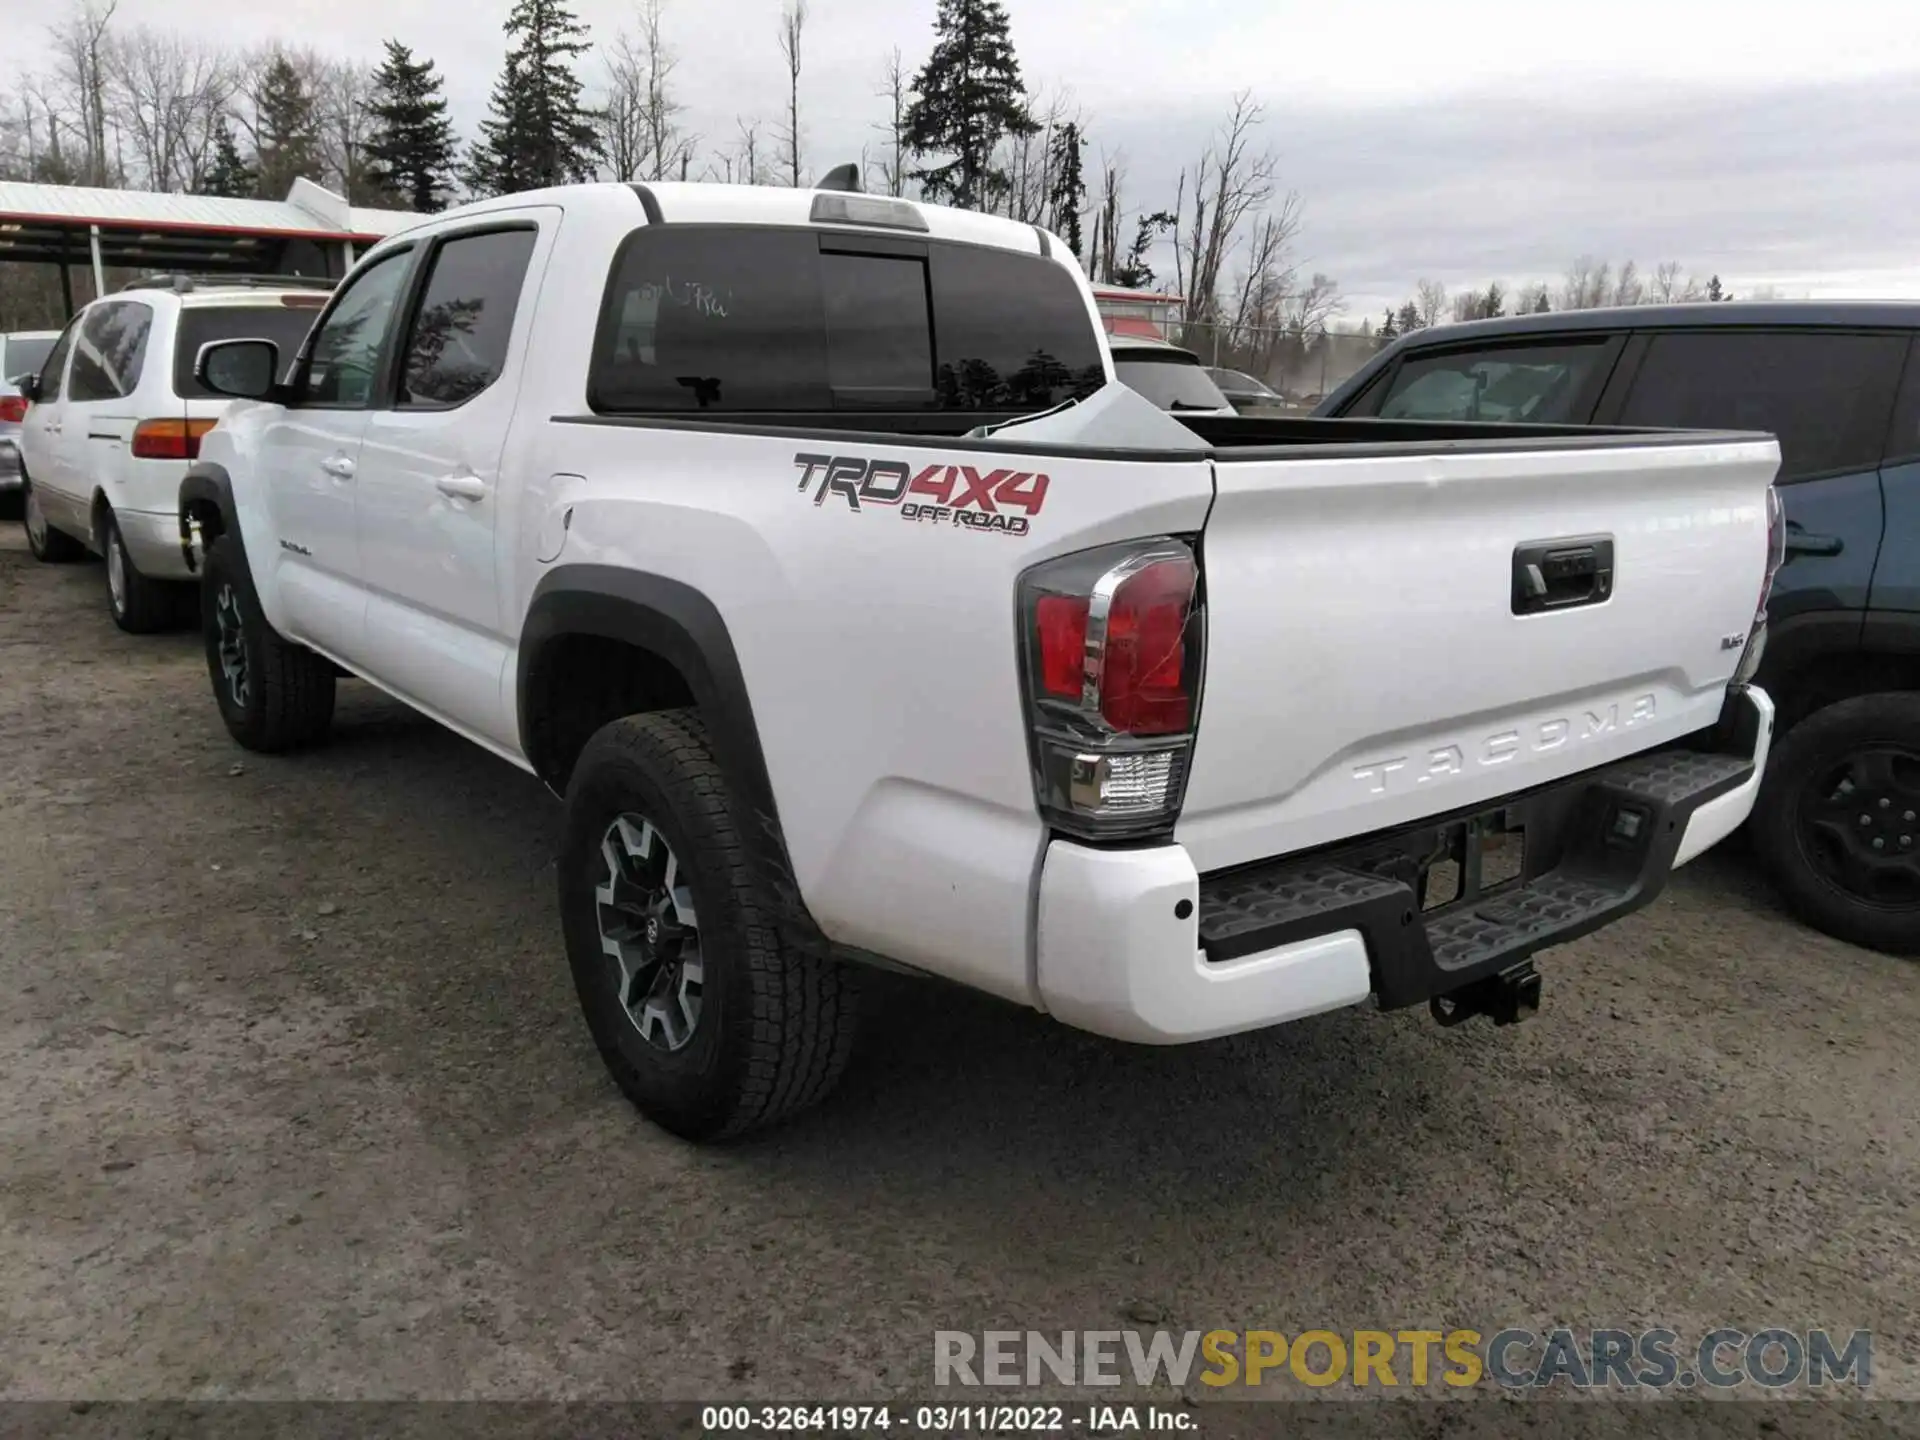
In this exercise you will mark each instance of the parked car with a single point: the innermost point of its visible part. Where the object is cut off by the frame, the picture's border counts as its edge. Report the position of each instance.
(1838, 822)
(21, 354)
(697, 501)
(1245, 393)
(115, 415)
(1172, 378)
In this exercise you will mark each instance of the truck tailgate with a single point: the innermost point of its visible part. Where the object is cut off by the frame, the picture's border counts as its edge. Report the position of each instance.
(1365, 664)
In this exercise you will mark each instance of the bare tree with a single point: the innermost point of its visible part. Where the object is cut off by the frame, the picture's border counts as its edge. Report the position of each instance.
(83, 47)
(895, 85)
(1587, 284)
(341, 90)
(1671, 285)
(1311, 306)
(793, 22)
(621, 116)
(741, 165)
(1228, 182)
(1430, 299)
(1103, 250)
(167, 95)
(1628, 288)
(1029, 159)
(1266, 283)
(668, 150)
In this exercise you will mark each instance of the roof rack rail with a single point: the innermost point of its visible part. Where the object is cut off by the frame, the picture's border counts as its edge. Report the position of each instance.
(182, 283)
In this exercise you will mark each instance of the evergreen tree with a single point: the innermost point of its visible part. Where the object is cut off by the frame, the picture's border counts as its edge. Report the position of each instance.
(1068, 195)
(967, 97)
(1409, 318)
(1493, 304)
(536, 132)
(1135, 273)
(1715, 291)
(229, 175)
(1540, 305)
(287, 131)
(1388, 330)
(411, 153)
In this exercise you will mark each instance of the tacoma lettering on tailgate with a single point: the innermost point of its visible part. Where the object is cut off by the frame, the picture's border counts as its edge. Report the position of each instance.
(1536, 737)
(959, 495)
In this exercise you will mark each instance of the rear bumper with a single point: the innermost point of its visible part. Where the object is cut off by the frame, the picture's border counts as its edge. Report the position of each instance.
(1137, 945)
(153, 542)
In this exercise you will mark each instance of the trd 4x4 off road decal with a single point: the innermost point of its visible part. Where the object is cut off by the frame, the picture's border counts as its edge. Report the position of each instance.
(954, 494)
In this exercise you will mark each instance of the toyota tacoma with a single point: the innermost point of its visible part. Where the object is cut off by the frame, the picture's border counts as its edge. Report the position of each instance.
(803, 542)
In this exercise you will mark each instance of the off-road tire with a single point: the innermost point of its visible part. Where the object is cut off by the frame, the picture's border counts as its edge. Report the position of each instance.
(50, 546)
(142, 606)
(1797, 771)
(286, 701)
(776, 1026)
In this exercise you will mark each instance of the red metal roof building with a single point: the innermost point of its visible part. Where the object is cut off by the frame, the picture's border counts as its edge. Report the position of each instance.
(311, 232)
(1143, 314)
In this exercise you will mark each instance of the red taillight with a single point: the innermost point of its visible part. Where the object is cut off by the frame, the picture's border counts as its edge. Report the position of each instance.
(1142, 677)
(1112, 639)
(1139, 650)
(13, 409)
(169, 439)
(1062, 623)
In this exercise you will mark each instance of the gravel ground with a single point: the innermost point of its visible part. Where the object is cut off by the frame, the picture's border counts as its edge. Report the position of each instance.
(297, 1104)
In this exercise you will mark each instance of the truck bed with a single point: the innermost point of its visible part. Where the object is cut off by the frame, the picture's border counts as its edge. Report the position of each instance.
(1226, 437)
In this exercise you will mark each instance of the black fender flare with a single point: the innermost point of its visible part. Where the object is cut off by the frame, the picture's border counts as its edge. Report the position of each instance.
(684, 628)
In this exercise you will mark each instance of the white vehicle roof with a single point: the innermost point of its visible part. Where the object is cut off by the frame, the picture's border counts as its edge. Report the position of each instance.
(689, 203)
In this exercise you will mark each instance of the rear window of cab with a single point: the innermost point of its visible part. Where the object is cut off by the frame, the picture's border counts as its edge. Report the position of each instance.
(718, 319)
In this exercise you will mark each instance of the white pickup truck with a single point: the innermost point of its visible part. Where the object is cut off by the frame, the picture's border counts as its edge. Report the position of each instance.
(802, 541)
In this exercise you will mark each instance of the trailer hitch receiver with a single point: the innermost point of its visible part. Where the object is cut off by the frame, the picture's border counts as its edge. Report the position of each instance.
(1507, 998)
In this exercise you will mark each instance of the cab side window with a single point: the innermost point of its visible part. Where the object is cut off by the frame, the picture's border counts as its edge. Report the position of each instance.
(343, 353)
(1826, 395)
(457, 345)
(1506, 384)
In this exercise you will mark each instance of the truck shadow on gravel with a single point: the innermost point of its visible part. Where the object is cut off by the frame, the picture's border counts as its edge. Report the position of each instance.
(963, 1122)
(942, 1076)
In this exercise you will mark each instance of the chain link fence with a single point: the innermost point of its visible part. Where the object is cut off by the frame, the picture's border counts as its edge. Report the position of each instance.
(1301, 367)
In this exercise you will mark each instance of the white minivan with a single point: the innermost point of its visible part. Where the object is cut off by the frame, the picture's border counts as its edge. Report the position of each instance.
(115, 416)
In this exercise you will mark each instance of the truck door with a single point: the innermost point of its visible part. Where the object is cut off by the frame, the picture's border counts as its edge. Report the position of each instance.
(430, 477)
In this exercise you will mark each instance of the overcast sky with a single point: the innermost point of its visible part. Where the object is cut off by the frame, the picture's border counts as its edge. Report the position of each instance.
(1467, 141)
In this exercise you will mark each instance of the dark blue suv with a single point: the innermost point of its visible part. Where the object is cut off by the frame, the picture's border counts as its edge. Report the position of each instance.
(1838, 820)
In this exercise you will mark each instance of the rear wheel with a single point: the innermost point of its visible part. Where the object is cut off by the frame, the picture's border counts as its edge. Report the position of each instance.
(50, 546)
(139, 605)
(706, 1020)
(1838, 821)
(273, 695)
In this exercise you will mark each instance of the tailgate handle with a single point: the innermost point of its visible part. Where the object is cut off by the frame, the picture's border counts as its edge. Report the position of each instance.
(1562, 574)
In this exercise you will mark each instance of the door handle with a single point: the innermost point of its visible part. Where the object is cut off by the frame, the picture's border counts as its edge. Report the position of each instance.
(1799, 542)
(462, 487)
(338, 466)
